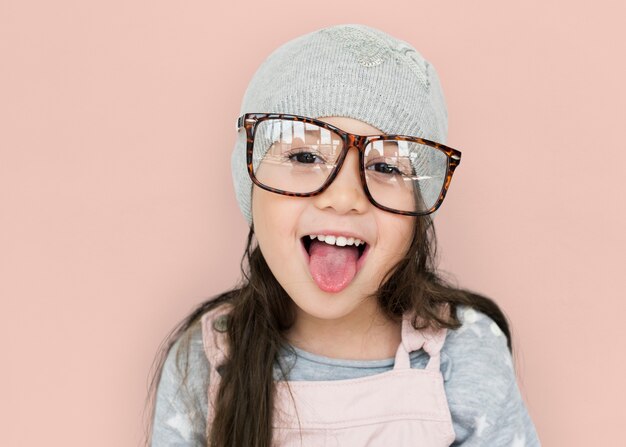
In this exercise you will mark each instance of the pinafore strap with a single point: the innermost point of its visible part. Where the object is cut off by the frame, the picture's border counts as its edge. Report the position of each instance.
(428, 338)
(214, 338)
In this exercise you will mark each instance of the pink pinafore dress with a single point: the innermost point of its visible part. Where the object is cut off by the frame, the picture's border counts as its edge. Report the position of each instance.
(401, 407)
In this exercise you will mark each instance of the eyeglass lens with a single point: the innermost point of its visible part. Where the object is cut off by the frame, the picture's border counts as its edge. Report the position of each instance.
(298, 157)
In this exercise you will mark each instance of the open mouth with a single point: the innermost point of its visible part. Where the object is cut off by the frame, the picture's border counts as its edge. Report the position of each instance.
(333, 266)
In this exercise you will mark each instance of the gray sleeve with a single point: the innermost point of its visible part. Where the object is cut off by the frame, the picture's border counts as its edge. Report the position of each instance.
(180, 411)
(485, 400)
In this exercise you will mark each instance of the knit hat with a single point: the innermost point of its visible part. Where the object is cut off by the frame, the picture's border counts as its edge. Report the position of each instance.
(349, 70)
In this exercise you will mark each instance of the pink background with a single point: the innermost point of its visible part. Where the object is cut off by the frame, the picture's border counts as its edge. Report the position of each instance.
(118, 213)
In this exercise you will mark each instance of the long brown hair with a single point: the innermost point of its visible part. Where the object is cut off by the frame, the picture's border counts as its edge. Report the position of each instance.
(262, 311)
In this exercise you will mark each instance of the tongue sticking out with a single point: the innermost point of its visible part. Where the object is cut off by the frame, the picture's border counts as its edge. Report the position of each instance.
(332, 267)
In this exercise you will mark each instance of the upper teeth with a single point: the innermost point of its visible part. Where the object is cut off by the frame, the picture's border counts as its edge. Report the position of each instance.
(337, 240)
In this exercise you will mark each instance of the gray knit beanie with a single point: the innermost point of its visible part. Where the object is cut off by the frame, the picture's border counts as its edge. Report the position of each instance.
(349, 70)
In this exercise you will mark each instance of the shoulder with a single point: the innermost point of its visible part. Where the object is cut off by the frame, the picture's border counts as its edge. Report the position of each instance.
(478, 358)
(479, 335)
(186, 360)
(485, 401)
(181, 407)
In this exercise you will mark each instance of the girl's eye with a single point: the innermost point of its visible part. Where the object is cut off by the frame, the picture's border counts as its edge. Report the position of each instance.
(304, 157)
(384, 168)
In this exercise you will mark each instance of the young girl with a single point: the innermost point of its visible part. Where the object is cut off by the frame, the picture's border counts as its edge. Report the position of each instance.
(341, 333)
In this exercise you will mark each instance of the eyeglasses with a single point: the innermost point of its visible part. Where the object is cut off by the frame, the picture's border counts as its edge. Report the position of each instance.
(300, 156)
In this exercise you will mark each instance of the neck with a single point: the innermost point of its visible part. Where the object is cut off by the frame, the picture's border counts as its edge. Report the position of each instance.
(365, 334)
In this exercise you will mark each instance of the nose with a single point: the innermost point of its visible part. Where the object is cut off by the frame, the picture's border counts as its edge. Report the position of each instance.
(345, 194)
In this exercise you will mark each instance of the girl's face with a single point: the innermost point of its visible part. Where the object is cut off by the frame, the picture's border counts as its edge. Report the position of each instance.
(281, 223)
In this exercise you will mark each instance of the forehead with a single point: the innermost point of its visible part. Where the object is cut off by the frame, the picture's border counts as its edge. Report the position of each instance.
(352, 125)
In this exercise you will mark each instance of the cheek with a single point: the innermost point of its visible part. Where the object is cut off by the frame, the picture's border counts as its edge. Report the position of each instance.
(275, 220)
(395, 233)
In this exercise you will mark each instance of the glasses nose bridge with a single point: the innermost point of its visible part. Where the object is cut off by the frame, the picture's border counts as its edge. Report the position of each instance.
(356, 141)
(352, 141)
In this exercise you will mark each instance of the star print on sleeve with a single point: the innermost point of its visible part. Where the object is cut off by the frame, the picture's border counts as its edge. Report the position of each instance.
(180, 410)
(519, 441)
(181, 425)
(484, 398)
(481, 424)
(470, 317)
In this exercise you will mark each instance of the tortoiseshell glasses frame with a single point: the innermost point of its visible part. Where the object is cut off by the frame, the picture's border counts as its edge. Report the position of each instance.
(250, 121)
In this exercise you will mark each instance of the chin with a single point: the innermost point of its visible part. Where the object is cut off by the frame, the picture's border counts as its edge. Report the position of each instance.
(326, 306)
